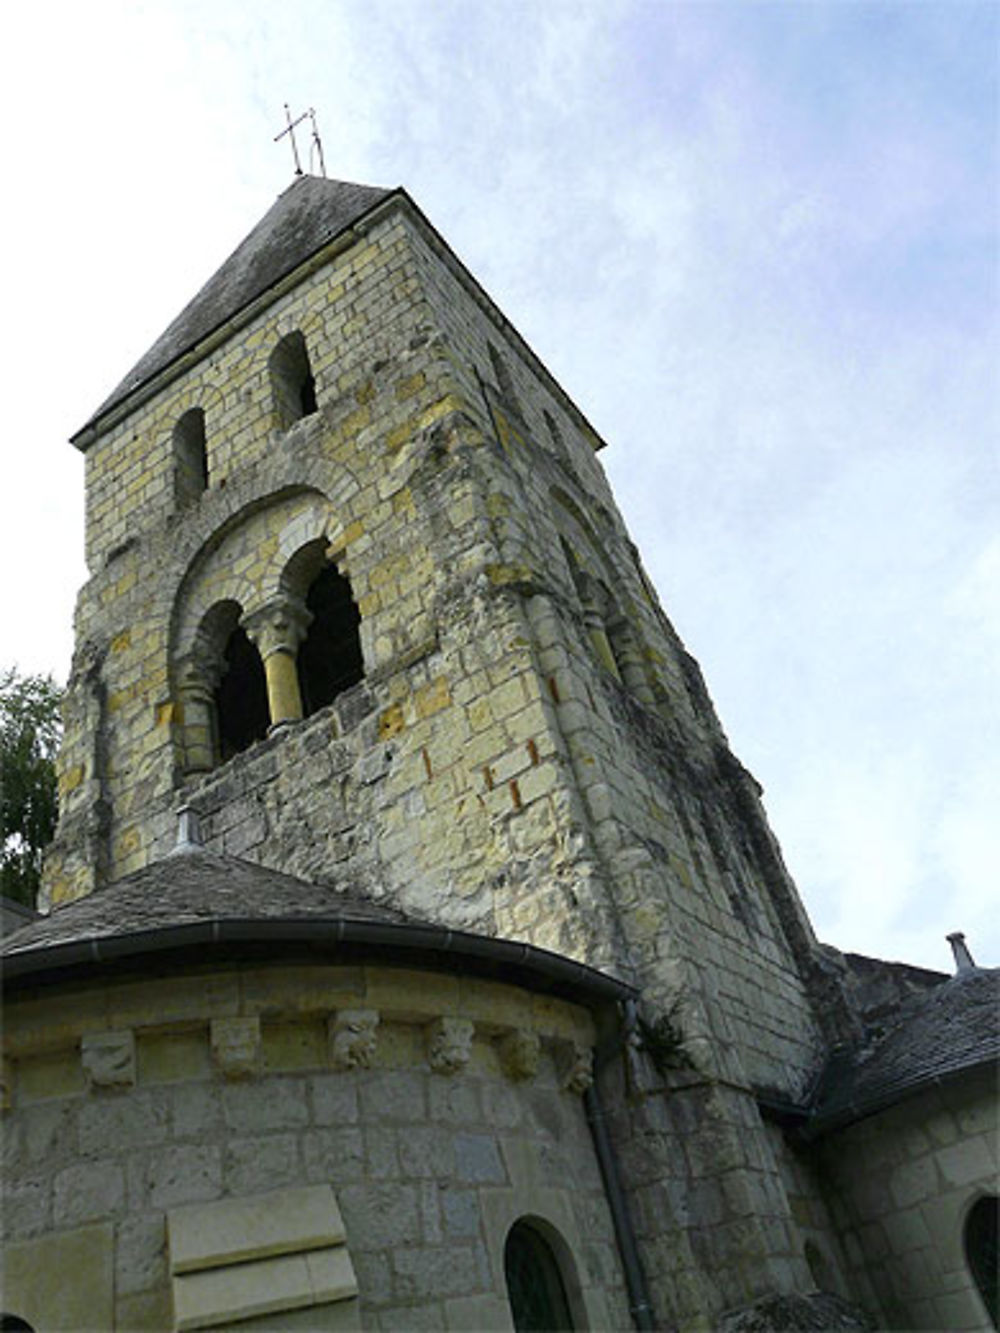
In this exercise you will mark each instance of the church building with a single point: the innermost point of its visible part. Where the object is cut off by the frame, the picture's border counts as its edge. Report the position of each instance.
(415, 953)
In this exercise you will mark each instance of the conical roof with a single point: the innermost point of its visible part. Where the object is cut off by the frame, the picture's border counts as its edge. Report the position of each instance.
(307, 216)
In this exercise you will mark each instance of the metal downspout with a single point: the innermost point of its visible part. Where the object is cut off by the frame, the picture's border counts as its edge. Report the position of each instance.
(640, 1306)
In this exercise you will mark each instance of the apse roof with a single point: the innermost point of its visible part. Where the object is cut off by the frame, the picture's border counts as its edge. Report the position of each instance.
(303, 219)
(934, 1036)
(196, 902)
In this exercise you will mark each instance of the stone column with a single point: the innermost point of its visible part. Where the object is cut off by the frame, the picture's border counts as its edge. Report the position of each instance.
(277, 629)
(197, 676)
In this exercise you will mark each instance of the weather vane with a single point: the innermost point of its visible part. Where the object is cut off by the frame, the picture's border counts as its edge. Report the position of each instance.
(316, 146)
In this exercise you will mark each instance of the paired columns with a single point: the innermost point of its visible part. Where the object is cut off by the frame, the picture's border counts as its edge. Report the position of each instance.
(276, 630)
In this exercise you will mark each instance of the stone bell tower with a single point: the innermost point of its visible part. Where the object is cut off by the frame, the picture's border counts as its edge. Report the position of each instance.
(360, 595)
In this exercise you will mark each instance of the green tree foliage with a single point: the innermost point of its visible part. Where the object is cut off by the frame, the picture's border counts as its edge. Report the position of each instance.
(29, 736)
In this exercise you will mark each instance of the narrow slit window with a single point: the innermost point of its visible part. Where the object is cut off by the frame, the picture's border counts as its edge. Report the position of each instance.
(292, 380)
(190, 457)
(504, 379)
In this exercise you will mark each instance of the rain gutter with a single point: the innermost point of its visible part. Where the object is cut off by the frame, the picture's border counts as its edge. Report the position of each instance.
(536, 968)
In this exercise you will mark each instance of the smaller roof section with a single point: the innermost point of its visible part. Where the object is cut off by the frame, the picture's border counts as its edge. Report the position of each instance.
(306, 217)
(936, 1035)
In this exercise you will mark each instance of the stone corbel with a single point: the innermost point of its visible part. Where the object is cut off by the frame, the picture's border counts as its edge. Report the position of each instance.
(236, 1047)
(351, 1034)
(576, 1067)
(108, 1059)
(519, 1053)
(449, 1044)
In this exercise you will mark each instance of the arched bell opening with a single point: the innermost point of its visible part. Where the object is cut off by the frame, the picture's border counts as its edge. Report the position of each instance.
(241, 705)
(330, 655)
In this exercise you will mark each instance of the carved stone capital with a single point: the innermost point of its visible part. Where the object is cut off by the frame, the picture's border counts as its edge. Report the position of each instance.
(278, 627)
(449, 1044)
(352, 1036)
(236, 1046)
(199, 671)
(519, 1052)
(108, 1059)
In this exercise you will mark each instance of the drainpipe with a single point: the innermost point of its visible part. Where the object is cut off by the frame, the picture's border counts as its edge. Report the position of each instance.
(635, 1279)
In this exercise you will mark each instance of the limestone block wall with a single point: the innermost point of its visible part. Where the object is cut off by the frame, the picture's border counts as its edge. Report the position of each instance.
(901, 1184)
(815, 1237)
(438, 1109)
(705, 906)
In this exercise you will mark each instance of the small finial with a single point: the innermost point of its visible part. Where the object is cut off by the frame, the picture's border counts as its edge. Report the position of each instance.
(188, 831)
(964, 961)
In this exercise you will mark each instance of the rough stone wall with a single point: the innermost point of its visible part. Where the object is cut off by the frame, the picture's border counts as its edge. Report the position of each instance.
(814, 1232)
(900, 1185)
(437, 1109)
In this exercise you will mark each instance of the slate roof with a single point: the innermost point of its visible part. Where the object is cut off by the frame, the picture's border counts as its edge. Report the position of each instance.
(307, 216)
(935, 1036)
(192, 886)
(196, 902)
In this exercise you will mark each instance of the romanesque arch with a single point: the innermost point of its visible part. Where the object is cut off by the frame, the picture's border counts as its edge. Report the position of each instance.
(247, 605)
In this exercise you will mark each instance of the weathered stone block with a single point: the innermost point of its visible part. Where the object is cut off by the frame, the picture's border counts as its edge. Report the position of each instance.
(387, 1215)
(183, 1174)
(90, 1191)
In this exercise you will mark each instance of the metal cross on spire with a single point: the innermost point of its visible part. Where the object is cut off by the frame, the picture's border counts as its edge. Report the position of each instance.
(315, 145)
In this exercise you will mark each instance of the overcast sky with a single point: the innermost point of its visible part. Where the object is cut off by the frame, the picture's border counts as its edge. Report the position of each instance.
(756, 243)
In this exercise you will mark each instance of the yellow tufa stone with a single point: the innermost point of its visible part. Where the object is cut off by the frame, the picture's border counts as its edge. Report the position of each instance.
(391, 722)
(71, 779)
(411, 386)
(432, 697)
(166, 713)
(500, 575)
